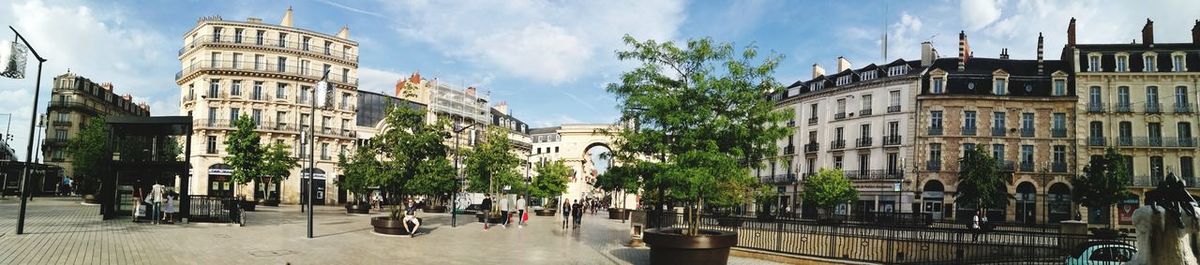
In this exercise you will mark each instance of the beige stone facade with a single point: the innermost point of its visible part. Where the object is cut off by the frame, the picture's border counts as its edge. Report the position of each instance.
(74, 101)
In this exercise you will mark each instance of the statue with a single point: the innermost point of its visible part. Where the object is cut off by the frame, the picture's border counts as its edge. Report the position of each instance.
(1167, 225)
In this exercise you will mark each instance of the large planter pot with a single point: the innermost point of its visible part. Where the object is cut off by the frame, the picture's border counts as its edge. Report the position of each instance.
(269, 202)
(248, 205)
(89, 199)
(493, 219)
(545, 212)
(670, 246)
(435, 209)
(358, 208)
(617, 214)
(729, 221)
(389, 226)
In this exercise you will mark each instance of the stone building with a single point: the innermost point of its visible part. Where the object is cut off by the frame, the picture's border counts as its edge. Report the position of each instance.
(74, 101)
(1139, 98)
(1020, 111)
(268, 72)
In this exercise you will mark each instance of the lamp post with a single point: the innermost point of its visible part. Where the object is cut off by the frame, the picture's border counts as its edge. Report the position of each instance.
(312, 147)
(37, 89)
(459, 178)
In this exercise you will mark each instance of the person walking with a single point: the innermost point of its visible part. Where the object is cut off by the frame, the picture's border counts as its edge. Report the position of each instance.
(487, 209)
(138, 210)
(975, 227)
(504, 211)
(169, 209)
(577, 213)
(566, 213)
(156, 194)
(520, 211)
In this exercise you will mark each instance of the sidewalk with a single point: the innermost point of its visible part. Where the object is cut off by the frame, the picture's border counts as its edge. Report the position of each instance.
(61, 231)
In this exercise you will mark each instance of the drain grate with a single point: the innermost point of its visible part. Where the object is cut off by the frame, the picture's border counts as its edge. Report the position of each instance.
(271, 253)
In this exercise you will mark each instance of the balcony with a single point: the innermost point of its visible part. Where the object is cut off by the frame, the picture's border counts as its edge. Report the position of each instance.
(839, 116)
(1027, 132)
(877, 174)
(783, 178)
(1058, 167)
(1153, 107)
(55, 141)
(812, 121)
(66, 104)
(293, 69)
(1153, 142)
(934, 130)
(1095, 107)
(61, 123)
(1123, 108)
(863, 142)
(891, 140)
(789, 150)
(811, 147)
(1146, 180)
(1006, 165)
(265, 42)
(999, 131)
(1058, 133)
(1026, 166)
(968, 130)
(213, 124)
(837, 144)
(933, 165)
(893, 109)
(850, 174)
(894, 174)
(864, 112)
(1184, 108)
(1125, 141)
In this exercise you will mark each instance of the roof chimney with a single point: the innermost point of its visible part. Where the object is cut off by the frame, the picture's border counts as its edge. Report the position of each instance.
(1196, 32)
(287, 18)
(817, 70)
(843, 64)
(1004, 53)
(344, 33)
(1040, 53)
(1071, 33)
(927, 54)
(964, 50)
(1148, 32)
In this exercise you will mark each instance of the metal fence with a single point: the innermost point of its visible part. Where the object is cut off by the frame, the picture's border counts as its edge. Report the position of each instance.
(910, 240)
(215, 209)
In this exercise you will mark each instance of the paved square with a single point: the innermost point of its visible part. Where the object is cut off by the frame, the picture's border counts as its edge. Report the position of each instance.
(61, 231)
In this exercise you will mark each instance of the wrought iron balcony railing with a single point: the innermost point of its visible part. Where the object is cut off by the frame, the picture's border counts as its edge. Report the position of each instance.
(839, 115)
(893, 109)
(1095, 107)
(891, 140)
(1123, 108)
(1028, 132)
(837, 144)
(999, 131)
(1026, 166)
(1058, 167)
(968, 130)
(1153, 107)
(811, 147)
(934, 130)
(933, 165)
(1096, 141)
(1058, 133)
(864, 112)
(863, 142)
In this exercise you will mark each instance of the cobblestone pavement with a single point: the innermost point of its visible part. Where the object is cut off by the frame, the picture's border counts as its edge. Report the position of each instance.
(62, 231)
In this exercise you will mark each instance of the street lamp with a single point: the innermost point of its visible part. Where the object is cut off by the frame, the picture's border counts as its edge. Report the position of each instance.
(37, 89)
(458, 179)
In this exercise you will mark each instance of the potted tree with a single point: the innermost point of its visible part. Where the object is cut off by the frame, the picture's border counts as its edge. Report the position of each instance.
(413, 150)
(358, 171)
(703, 112)
(1104, 182)
(87, 151)
(826, 190)
(245, 156)
(435, 181)
(490, 166)
(277, 165)
(618, 180)
(550, 182)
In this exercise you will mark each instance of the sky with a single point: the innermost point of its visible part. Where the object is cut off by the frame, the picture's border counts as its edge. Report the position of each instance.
(550, 60)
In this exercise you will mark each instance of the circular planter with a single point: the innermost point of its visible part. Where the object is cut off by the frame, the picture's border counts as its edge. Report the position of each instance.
(494, 219)
(358, 208)
(248, 205)
(729, 221)
(389, 226)
(670, 246)
(89, 199)
(544, 212)
(435, 209)
(269, 202)
(617, 213)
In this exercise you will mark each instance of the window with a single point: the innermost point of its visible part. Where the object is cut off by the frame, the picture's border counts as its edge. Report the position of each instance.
(967, 147)
(1125, 133)
(866, 102)
(258, 38)
(1177, 61)
(1156, 167)
(1122, 97)
(1060, 121)
(864, 163)
(257, 94)
(345, 75)
(1184, 130)
(1181, 97)
(894, 128)
(864, 131)
(1149, 61)
(868, 75)
(256, 116)
(969, 119)
(939, 86)
(1094, 96)
(812, 112)
(258, 62)
(304, 67)
(935, 119)
(1026, 155)
(935, 152)
(63, 116)
(215, 60)
(841, 106)
(1122, 63)
(237, 35)
(280, 116)
(998, 152)
(325, 151)
(1096, 129)
(304, 92)
(217, 34)
(1027, 121)
(1094, 63)
(895, 98)
(1000, 87)
(212, 116)
(60, 134)
(342, 150)
(837, 162)
(998, 120)
(281, 66)
(304, 46)
(345, 101)
(837, 133)
(843, 80)
(1187, 170)
(325, 69)
(237, 60)
(212, 145)
(1060, 87)
(327, 44)
(282, 39)
(280, 90)
(214, 88)
(237, 88)
(234, 113)
(897, 70)
(893, 163)
(1154, 131)
(1060, 154)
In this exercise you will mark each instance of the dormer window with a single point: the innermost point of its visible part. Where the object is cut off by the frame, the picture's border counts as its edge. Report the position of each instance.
(897, 70)
(1001, 87)
(1122, 63)
(843, 80)
(1060, 87)
(1093, 63)
(1150, 61)
(869, 75)
(939, 86)
(818, 86)
(1178, 62)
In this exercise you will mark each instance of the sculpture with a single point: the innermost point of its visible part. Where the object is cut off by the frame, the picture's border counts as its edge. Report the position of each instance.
(1167, 225)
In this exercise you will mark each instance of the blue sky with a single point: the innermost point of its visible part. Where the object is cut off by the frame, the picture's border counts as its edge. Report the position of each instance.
(551, 59)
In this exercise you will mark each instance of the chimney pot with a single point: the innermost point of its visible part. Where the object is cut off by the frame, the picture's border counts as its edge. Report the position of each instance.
(1148, 32)
(817, 71)
(1040, 51)
(927, 54)
(1196, 32)
(842, 64)
(1071, 33)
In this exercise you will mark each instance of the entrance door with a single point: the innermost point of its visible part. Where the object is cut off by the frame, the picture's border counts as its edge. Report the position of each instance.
(1026, 203)
(220, 186)
(341, 199)
(932, 195)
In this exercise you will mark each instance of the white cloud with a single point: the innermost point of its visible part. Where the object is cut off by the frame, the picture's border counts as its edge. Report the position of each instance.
(378, 80)
(977, 14)
(545, 42)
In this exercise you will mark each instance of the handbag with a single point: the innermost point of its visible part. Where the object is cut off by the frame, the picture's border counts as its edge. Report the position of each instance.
(141, 211)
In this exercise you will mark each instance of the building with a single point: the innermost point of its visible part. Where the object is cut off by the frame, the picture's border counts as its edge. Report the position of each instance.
(1139, 98)
(267, 72)
(855, 120)
(577, 145)
(1014, 102)
(74, 101)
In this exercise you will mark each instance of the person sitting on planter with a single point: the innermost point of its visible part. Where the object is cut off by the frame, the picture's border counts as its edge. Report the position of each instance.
(410, 215)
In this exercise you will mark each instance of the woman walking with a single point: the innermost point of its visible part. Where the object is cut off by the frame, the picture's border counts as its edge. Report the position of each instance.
(566, 214)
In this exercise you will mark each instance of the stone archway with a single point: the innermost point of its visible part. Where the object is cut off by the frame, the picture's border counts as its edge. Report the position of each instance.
(572, 144)
(1026, 203)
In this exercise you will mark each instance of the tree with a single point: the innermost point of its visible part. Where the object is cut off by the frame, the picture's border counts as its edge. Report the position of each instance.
(828, 188)
(1104, 182)
(704, 111)
(980, 181)
(88, 155)
(277, 165)
(245, 152)
(551, 180)
(624, 178)
(406, 143)
(358, 171)
(491, 164)
(435, 179)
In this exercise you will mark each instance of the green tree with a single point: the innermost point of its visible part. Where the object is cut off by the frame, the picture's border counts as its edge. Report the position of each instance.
(435, 178)
(704, 111)
(828, 188)
(1104, 182)
(358, 171)
(277, 165)
(980, 181)
(406, 143)
(491, 164)
(620, 179)
(245, 152)
(551, 180)
(88, 155)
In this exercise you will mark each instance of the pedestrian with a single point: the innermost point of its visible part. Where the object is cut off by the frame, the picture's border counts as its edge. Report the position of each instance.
(577, 213)
(520, 211)
(138, 210)
(377, 200)
(156, 195)
(504, 210)
(975, 227)
(169, 209)
(566, 213)
(487, 210)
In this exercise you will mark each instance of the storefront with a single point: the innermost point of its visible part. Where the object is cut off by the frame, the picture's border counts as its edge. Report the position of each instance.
(933, 196)
(219, 182)
(1026, 203)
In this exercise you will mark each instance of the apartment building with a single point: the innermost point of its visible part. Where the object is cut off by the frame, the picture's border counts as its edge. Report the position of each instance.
(74, 101)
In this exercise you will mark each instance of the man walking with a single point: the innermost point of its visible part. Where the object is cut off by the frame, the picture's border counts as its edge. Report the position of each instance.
(577, 213)
(520, 211)
(504, 210)
(487, 209)
(156, 194)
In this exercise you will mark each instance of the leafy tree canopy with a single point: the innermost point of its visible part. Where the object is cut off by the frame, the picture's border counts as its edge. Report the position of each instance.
(551, 180)
(406, 143)
(277, 164)
(88, 154)
(245, 152)
(491, 165)
(1104, 182)
(980, 181)
(828, 188)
